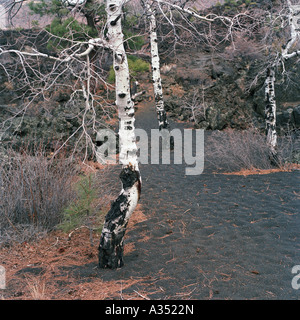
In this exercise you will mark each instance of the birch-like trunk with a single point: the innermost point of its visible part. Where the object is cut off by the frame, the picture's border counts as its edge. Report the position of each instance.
(156, 77)
(112, 237)
(293, 18)
(270, 115)
(270, 99)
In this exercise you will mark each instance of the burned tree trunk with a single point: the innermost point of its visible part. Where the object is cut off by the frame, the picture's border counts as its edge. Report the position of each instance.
(112, 237)
(156, 77)
(270, 115)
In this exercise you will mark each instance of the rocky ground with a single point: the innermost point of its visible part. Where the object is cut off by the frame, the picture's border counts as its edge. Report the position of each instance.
(210, 91)
(220, 91)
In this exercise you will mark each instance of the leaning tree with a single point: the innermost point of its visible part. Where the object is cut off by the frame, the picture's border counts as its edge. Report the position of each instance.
(78, 60)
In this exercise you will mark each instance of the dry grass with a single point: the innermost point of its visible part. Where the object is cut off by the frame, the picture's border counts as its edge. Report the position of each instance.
(36, 190)
(50, 256)
(33, 191)
(36, 287)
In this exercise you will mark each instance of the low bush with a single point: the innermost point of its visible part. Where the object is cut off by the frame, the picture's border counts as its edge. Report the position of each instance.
(33, 191)
(39, 194)
(81, 208)
(236, 150)
(233, 150)
(87, 209)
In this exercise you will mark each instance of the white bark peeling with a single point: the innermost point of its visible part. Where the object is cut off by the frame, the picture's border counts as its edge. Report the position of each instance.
(270, 111)
(293, 18)
(156, 76)
(112, 238)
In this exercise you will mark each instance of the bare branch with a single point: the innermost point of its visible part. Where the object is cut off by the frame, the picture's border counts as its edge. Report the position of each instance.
(12, 8)
(188, 10)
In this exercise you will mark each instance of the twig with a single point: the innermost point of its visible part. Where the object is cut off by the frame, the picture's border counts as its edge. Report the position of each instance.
(70, 234)
(185, 294)
(121, 292)
(12, 225)
(89, 228)
(146, 298)
(56, 242)
(133, 97)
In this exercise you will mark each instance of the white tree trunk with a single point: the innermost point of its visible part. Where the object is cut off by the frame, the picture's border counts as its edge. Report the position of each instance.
(112, 237)
(293, 18)
(156, 77)
(270, 114)
(270, 99)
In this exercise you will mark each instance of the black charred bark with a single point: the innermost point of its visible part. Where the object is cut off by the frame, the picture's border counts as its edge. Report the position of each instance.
(162, 120)
(111, 245)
